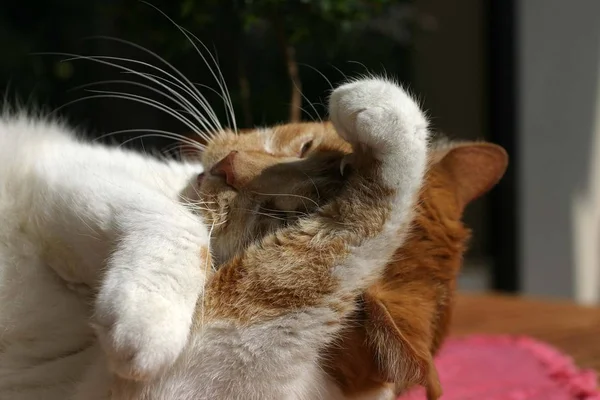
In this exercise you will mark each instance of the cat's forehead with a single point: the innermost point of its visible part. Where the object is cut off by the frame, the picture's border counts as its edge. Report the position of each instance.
(287, 138)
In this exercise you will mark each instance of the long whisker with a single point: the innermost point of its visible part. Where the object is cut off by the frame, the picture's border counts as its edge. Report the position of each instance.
(313, 183)
(201, 100)
(312, 118)
(319, 72)
(200, 85)
(176, 149)
(102, 60)
(135, 98)
(189, 84)
(303, 213)
(359, 63)
(133, 83)
(288, 194)
(311, 104)
(260, 213)
(340, 71)
(152, 133)
(220, 81)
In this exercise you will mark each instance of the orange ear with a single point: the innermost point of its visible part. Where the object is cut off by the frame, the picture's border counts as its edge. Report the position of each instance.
(403, 352)
(476, 168)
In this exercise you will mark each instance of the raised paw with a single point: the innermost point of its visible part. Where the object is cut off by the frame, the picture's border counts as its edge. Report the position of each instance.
(378, 114)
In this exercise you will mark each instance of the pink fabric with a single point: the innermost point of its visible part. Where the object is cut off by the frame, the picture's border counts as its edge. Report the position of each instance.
(508, 368)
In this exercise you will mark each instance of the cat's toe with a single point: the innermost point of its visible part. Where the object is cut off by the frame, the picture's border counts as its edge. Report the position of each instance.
(377, 113)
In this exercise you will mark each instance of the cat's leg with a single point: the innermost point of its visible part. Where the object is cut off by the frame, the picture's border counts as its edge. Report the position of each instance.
(87, 204)
(148, 294)
(147, 291)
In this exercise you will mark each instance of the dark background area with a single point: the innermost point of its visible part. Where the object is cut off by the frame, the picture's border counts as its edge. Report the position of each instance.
(249, 39)
(456, 56)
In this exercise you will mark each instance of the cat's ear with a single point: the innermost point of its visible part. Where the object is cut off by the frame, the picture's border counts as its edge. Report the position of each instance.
(475, 167)
(402, 348)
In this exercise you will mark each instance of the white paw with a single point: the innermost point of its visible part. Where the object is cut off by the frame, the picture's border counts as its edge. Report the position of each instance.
(141, 332)
(144, 313)
(379, 114)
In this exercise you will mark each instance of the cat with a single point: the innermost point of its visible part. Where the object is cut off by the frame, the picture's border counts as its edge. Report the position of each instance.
(115, 222)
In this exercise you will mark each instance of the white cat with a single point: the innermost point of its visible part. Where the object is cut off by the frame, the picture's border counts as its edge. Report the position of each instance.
(77, 215)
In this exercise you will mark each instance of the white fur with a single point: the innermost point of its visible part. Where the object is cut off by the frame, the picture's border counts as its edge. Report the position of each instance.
(66, 207)
(70, 209)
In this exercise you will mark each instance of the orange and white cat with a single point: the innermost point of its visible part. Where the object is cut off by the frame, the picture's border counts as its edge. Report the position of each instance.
(75, 215)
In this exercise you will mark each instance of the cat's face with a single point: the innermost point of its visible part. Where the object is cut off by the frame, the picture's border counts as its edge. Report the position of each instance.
(260, 180)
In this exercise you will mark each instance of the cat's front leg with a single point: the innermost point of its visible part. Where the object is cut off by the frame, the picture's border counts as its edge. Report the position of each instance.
(148, 293)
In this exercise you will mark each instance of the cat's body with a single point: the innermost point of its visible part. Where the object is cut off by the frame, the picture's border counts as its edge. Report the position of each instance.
(77, 215)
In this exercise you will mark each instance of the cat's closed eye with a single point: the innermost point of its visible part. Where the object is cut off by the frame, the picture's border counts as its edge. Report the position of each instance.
(305, 148)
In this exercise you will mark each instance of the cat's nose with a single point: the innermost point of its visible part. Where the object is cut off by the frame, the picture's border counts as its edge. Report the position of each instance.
(225, 169)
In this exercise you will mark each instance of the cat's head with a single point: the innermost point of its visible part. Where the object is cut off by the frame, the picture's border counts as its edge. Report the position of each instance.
(259, 180)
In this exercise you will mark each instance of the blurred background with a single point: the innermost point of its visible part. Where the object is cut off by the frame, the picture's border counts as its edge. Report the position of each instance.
(523, 74)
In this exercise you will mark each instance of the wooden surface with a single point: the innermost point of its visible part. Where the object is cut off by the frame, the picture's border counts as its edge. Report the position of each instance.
(571, 328)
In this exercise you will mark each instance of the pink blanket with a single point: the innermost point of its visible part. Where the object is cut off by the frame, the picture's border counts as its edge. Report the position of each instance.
(509, 368)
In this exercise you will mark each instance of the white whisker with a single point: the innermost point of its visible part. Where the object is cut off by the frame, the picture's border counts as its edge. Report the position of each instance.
(340, 71)
(136, 98)
(152, 133)
(215, 126)
(309, 102)
(260, 213)
(197, 94)
(133, 83)
(288, 194)
(319, 72)
(220, 80)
